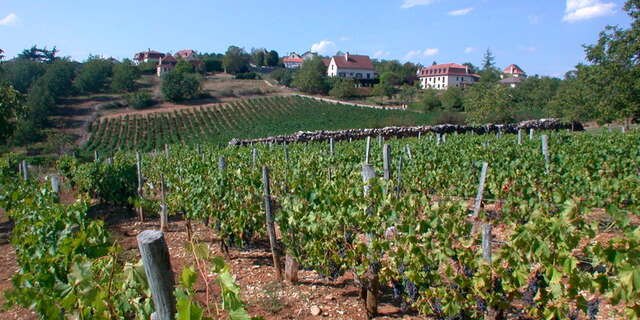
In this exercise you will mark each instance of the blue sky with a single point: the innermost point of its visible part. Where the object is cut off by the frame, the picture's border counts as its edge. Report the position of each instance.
(542, 36)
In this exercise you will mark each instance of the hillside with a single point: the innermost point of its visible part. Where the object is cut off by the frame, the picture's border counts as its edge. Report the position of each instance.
(251, 118)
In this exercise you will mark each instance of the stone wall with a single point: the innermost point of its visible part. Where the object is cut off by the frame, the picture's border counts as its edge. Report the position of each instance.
(400, 132)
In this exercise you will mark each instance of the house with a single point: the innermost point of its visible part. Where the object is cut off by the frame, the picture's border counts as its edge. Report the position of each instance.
(351, 66)
(293, 61)
(512, 81)
(443, 76)
(513, 71)
(166, 64)
(309, 55)
(148, 56)
(186, 55)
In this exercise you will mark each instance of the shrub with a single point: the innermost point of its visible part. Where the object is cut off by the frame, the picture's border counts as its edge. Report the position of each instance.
(124, 77)
(177, 86)
(114, 183)
(342, 88)
(225, 93)
(248, 76)
(249, 92)
(93, 75)
(139, 100)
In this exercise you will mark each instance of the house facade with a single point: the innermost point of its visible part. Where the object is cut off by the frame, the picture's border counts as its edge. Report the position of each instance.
(512, 76)
(351, 66)
(148, 56)
(444, 76)
(186, 55)
(293, 61)
(166, 64)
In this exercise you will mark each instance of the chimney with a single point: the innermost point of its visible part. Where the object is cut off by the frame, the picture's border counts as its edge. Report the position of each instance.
(346, 56)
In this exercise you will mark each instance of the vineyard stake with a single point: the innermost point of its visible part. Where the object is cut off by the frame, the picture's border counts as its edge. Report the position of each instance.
(222, 164)
(140, 183)
(531, 132)
(55, 184)
(386, 158)
(164, 219)
(157, 266)
(379, 141)
(25, 170)
(519, 136)
(486, 242)
(444, 138)
(438, 138)
(271, 229)
(331, 146)
(545, 151)
(166, 149)
(367, 150)
(478, 202)
(254, 155)
(399, 176)
(419, 134)
(286, 153)
(370, 288)
(408, 151)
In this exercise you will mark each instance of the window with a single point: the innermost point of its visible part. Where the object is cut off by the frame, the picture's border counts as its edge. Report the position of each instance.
(368, 75)
(359, 75)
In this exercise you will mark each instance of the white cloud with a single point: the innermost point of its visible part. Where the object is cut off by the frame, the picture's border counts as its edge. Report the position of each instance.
(9, 20)
(381, 54)
(324, 47)
(344, 39)
(534, 19)
(460, 12)
(469, 50)
(414, 54)
(412, 3)
(587, 9)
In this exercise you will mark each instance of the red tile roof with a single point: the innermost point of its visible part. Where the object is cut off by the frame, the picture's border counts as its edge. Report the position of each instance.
(185, 53)
(352, 61)
(326, 62)
(447, 69)
(289, 59)
(513, 69)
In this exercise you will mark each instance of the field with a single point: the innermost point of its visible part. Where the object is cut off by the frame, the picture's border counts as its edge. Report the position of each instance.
(252, 118)
(555, 237)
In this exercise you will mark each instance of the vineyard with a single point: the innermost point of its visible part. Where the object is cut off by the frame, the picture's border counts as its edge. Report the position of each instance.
(250, 118)
(456, 227)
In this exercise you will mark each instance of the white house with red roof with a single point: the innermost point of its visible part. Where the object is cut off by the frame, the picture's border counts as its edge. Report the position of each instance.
(186, 54)
(351, 66)
(443, 76)
(513, 71)
(293, 61)
(148, 56)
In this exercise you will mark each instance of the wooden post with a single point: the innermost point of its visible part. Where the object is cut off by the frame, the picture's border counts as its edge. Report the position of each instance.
(519, 136)
(367, 150)
(25, 170)
(164, 214)
(109, 161)
(55, 184)
(444, 138)
(399, 176)
(531, 132)
(166, 149)
(331, 146)
(140, 184)
(379, 141)
(95, 155)
(545, 151)
(623, 129)
(157, 266)
(478, 202)
(486, 242)
(286, 153)
(438, 139)
(254, 156)
(386, 158)
(222, 164)
(271, 229)
(408, 151)
(372, 283)
(291, 269)
(419, 134)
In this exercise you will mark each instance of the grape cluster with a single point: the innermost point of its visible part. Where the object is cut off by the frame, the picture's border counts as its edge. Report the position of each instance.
(376, 266)
(532, 289)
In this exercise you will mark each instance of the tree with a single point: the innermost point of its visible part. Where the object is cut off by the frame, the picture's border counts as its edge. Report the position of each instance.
(94, 75)
(615, 70)
(383, 90)
(489, 72)
(22, 73)
(10, 104)
(213, 64)
(342, 88)
(59, 78)
(311, 78)
(235, 60)
(124, 77)
(428, 100)
(258, 57)
(272, 58)
(178, 86)
(39, 54)
(184, 66)
(283, 76)
(391, 78)
(573, 101)
(487, 102)
(1, 54)
(452, 99)
(407, 94)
